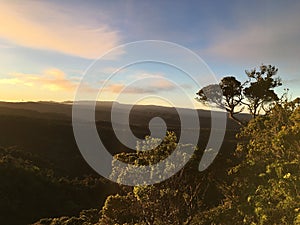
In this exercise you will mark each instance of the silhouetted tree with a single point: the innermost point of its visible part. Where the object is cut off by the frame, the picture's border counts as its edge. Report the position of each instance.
(256, 94)
(226, 95)
(260, 91)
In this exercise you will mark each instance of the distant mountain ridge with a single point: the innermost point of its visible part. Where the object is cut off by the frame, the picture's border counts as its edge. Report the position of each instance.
(102, 109)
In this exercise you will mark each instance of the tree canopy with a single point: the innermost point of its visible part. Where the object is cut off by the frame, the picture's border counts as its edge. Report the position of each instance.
(260, 89)
(256, 93)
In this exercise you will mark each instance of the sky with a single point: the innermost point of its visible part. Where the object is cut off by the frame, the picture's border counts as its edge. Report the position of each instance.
(49, 48)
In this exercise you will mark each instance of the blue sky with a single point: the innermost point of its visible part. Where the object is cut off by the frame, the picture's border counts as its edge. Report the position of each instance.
(45, 46)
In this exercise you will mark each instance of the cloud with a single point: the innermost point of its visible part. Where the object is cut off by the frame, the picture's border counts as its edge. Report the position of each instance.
(163, 85)
(51, 80)
(11, 81)
(274, 38)
(149, 88)
(41, 25)
(143, 75)
(4, 46)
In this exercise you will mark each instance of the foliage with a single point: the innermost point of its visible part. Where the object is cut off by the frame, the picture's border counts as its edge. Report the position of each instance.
(232, 92)
(226, 95)
(174, 201)
(260, 90)
(256, 93)
(29, 191)
(211, 94)
(266, 184)
(86, 217)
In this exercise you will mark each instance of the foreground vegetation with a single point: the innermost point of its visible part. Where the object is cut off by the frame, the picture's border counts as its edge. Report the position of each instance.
(28, 189)
(264, 187)
(261, 188)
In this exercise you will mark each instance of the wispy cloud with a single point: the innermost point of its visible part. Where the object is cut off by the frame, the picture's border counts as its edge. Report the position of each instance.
(11, 81)
(51, 80)
(149, 88)
(275, 37)
(5, 46)
(43, 25)
(143, 75)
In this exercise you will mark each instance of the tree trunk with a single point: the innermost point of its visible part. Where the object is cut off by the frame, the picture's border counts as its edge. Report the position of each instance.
(231, 116)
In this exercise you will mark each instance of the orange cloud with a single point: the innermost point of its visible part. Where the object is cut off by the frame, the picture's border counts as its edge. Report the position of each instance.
(114, 88)
(53, 84)
(43, 25)
(51, 80)
(163, 84)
